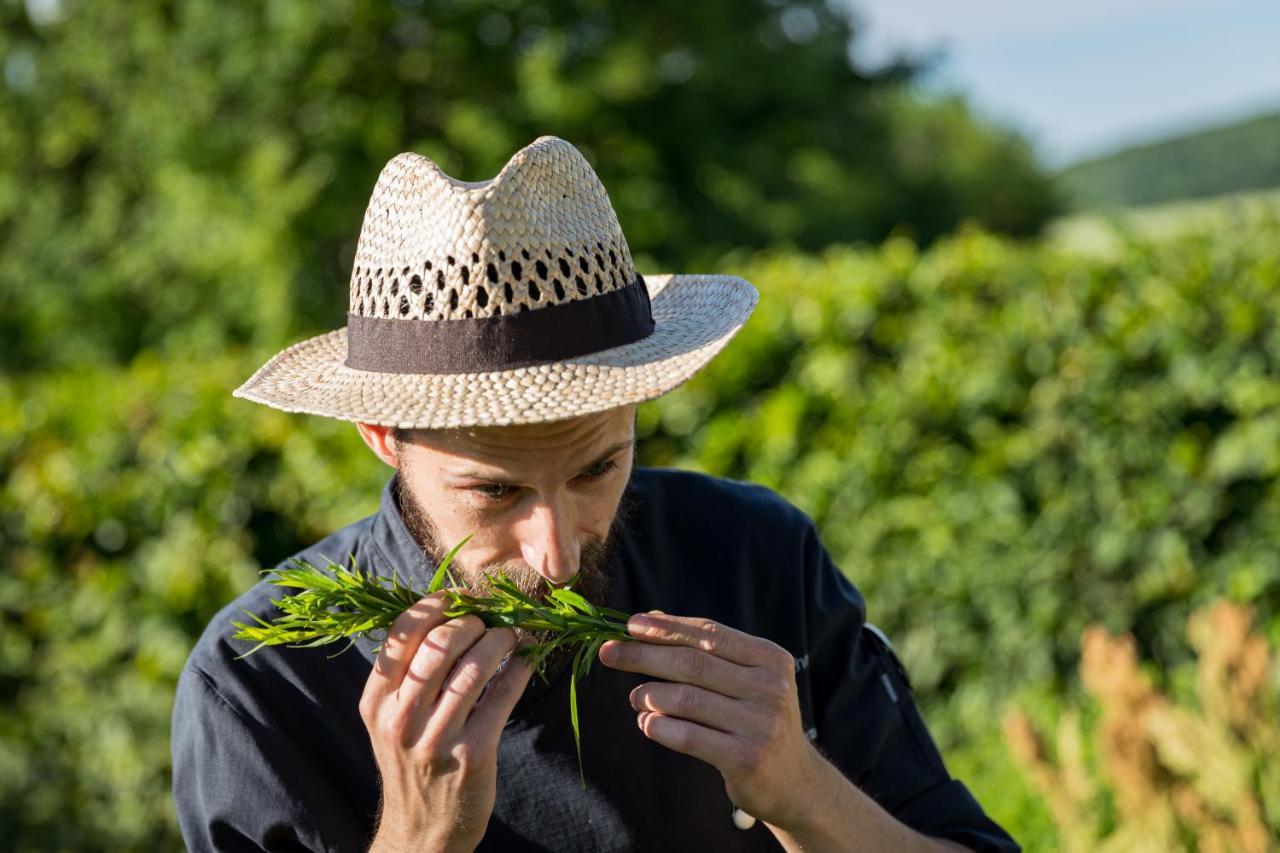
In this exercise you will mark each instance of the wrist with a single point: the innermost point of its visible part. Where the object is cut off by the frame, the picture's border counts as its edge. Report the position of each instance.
(811, 796)
(397, 836)
(387, 842)
(833, 811)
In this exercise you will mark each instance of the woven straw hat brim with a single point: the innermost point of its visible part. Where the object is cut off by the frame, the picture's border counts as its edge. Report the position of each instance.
(694, 317)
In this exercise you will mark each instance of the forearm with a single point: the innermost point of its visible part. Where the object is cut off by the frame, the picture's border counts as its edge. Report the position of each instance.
(842, 817)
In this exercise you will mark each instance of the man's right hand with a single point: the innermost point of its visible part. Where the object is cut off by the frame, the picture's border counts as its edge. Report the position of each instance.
(437, 746)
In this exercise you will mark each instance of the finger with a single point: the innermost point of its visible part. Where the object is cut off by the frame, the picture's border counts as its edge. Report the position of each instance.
(684, 664)
(469, 676)
(692, 703)
(431, 664)
(499, 700)
(403, 638)
(704, 634)
(725, 752)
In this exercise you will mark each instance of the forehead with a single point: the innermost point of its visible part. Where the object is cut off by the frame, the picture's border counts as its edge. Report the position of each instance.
(527, 447)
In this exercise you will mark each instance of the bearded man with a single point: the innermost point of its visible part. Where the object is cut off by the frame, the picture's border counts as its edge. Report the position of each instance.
(498, 342)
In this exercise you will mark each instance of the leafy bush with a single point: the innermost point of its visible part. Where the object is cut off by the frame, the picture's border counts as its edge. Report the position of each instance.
(134, 504)
(1005, 444)
(1002, 444)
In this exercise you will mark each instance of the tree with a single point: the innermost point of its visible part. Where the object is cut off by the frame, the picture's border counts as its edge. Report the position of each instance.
(183, 175)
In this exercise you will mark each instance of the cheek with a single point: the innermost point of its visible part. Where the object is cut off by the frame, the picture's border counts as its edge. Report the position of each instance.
(599, 506)
(450, 519)
(593, 511)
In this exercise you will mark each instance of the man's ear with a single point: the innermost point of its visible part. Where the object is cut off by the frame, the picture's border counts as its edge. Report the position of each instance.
(381, 442)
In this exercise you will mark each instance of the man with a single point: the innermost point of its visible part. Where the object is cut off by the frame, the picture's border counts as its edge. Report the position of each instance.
(498, 342)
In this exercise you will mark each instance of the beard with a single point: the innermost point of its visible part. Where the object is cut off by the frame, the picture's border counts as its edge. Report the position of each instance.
(591, 581)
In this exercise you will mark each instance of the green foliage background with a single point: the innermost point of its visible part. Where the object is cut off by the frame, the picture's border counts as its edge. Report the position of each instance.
(202, 167)
(1001, 440)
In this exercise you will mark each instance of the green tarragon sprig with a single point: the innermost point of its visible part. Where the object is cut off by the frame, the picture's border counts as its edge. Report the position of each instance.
(336, 603)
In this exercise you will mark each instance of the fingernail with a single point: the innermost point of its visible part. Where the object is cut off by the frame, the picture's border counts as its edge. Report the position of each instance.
(632, 698)
(609, 652)
(659, 612)
(641, 624)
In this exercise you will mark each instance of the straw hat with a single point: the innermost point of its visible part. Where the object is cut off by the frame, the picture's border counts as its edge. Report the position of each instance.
(511, 300)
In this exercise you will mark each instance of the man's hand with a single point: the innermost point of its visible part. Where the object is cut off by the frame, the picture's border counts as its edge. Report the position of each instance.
(434, 738)
(729, 699)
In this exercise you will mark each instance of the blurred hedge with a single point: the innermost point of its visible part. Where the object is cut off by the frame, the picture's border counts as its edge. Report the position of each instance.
(134, 505)
(1001, 444)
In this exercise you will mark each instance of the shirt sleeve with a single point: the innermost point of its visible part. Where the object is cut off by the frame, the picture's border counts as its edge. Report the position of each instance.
(867, 721)
(229, 780)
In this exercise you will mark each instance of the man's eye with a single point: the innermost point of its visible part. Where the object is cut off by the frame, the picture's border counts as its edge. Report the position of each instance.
(497, 491)
(600, 470)
(493, 491)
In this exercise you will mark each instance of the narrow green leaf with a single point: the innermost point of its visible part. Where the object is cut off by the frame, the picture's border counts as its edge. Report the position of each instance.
(573, 718)
(571, 598)
(343, 649)
(616, 615)
(437, 581)
(505, 584)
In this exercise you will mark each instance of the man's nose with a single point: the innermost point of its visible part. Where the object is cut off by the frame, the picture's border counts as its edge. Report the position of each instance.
(546, 543)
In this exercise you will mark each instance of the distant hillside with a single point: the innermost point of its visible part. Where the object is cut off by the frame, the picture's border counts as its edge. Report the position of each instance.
(1243, 156)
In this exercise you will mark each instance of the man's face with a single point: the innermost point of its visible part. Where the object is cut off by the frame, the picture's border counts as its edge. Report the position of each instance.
(544, 501)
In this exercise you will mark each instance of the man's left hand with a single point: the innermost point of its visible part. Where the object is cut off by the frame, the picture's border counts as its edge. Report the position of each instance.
(728, 698)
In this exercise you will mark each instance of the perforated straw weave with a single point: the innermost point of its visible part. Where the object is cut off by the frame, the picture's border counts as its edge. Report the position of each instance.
(439, 254)
(541, 233)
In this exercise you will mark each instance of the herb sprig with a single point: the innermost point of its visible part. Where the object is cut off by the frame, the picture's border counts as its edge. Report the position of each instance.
(336, 603)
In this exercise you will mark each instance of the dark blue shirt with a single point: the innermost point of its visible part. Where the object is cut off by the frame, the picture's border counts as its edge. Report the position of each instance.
(270, 753)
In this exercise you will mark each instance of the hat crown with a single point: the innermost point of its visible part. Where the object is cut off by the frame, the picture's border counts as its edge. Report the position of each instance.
(542, 232)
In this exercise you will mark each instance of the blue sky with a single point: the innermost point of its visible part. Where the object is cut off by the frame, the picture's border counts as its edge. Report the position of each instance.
(1085, 76)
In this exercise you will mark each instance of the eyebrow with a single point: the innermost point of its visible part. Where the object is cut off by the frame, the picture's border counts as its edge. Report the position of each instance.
(599, 460)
